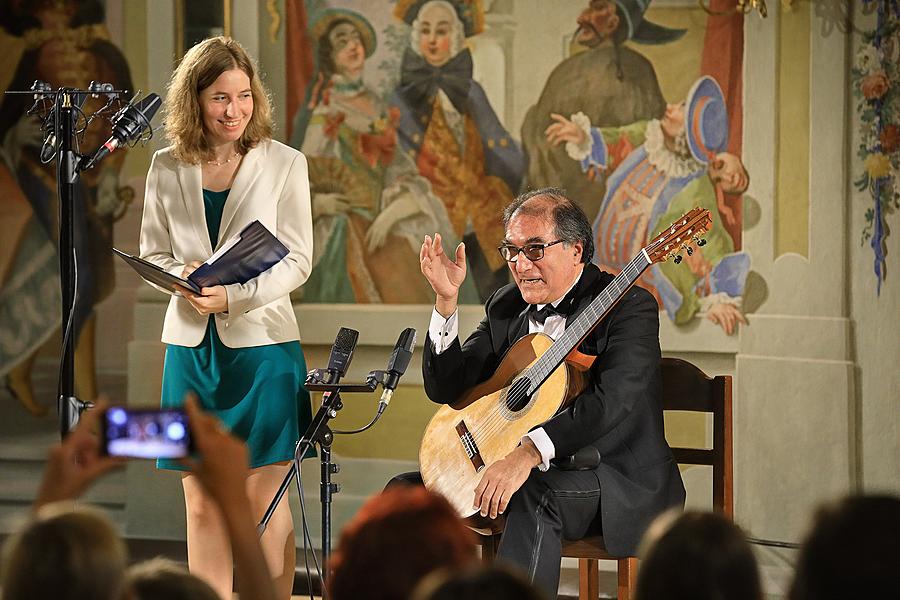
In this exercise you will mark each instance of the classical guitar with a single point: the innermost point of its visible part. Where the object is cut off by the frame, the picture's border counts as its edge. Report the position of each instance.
(536, 378)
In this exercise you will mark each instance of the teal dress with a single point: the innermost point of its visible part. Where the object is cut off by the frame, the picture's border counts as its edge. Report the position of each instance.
(257, 392)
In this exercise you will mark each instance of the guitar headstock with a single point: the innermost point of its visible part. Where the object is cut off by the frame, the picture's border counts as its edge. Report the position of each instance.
(679, 236)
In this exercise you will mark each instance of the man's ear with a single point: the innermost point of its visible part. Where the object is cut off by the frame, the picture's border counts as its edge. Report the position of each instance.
(578, 250)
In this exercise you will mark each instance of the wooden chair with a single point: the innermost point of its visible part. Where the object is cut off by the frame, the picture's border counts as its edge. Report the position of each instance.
(684, 388)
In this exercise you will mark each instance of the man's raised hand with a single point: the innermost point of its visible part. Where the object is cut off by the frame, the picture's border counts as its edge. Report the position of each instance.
(444, 275)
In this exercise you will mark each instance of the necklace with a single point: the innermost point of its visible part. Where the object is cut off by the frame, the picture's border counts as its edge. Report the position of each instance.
(219, 163)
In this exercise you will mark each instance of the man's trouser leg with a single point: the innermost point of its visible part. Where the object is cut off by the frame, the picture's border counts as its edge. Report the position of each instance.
(550, 506)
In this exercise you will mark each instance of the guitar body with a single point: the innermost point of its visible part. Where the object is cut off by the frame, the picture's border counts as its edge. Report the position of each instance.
(460, 442)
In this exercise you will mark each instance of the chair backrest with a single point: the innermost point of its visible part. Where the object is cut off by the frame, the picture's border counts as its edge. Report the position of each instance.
(686, 388)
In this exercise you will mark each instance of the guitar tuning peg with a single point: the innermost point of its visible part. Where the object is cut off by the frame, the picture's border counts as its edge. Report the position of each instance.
(677, 259)
(701, 242)
(690, 251)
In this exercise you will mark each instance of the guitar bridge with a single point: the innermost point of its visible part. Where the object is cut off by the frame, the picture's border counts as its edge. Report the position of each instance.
(469, 445)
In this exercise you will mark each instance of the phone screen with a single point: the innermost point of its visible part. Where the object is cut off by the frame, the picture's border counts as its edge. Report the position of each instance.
(146, 433)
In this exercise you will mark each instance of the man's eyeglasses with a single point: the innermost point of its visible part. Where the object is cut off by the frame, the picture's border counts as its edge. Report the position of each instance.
(532, 252)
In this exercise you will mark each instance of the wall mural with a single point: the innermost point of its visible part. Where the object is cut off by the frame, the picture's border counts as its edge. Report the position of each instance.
(403, 141)
(64, 43)
(876, 87)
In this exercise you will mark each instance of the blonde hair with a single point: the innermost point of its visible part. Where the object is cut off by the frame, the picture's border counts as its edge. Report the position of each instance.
(162, 579)
(64, 553)
(198, 70)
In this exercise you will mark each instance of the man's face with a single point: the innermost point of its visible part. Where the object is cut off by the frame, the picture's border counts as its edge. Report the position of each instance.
(672, 122)
(728, 172)
(437, 26)
(347, 50)
(596, 22)
(545, 280)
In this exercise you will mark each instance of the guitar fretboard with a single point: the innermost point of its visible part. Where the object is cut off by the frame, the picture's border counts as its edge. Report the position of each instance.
(586, 321)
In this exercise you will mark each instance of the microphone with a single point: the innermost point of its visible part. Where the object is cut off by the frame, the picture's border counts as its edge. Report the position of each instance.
(49, 147)
(397, 365)
(341, 354)
(128, 124)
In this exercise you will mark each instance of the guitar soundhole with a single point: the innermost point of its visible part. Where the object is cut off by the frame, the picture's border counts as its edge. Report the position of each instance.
(517, 396)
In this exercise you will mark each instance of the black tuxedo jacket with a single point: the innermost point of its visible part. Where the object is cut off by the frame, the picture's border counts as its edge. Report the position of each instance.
(619, 413)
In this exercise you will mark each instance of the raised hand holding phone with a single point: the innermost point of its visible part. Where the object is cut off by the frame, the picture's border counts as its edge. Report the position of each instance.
(74, 463)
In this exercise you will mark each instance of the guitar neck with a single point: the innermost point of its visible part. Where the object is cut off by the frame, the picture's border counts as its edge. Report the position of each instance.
(587, 320)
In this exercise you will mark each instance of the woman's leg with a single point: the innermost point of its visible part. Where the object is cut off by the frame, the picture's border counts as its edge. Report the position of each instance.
(209, 549)
(277, 542)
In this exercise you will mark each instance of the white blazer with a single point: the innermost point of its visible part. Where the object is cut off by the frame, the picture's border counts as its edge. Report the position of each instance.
(272, 186)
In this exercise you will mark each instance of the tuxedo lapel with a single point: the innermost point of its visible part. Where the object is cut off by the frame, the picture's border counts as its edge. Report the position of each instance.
(580, 297)
(518, 326)
(191, 181)
(251, 167)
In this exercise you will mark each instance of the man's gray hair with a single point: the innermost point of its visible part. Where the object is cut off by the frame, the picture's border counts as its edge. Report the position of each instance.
(569, 220)
(457, 30)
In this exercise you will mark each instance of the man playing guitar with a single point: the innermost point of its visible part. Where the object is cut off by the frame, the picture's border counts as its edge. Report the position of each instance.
(548, 247)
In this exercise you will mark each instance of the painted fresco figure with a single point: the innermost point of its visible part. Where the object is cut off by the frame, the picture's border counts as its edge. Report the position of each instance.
(448, 126)
(66, 44)
(370, 205)
(609, 82)
(659, 170)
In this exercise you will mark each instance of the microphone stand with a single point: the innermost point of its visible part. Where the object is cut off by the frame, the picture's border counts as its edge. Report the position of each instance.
(68, 405)
(320, 434)
(66, 106)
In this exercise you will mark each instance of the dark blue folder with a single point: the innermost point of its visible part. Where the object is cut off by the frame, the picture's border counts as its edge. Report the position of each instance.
(253, 251)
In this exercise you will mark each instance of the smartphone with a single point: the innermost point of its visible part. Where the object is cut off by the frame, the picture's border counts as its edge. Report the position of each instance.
(146, 433)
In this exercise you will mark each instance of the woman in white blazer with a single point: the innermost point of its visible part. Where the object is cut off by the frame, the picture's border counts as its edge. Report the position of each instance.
(237, 346)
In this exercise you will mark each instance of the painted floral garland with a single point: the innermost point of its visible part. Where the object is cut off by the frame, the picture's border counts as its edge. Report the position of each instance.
(876, 86)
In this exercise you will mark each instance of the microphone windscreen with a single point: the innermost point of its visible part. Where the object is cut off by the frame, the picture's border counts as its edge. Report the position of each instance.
(402, 351)
(149, 105)
(342, 350)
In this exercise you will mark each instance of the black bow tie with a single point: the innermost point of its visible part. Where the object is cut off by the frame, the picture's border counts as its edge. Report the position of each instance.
(540, 315)
(420, 81)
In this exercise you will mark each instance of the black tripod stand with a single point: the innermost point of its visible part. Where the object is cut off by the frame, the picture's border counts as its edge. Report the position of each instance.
(61, 131)
(320, 434)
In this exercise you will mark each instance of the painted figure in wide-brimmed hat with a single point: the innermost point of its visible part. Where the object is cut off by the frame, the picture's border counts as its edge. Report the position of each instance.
(609, 81)
(659, 170)
(370, 206)
(448, 127)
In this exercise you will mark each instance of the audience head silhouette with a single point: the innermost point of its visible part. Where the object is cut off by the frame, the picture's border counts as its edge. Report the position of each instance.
(851, 551)
(163, 579)
(64, 553)
(697, 556)
(496, 582)
(395, 539)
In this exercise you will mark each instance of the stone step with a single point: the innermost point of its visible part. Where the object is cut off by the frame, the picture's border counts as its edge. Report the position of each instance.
(21, 479)
(13, 514)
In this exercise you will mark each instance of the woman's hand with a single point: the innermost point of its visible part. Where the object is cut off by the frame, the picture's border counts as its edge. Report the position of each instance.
(209, 301)
(190, 268)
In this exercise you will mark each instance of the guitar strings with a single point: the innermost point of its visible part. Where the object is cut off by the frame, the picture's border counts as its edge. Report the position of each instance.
(496, 420)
